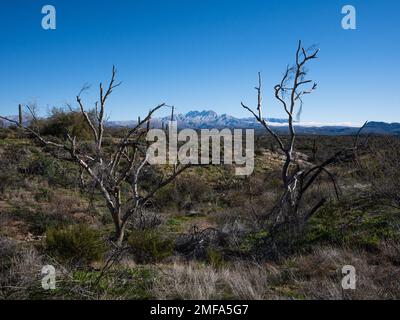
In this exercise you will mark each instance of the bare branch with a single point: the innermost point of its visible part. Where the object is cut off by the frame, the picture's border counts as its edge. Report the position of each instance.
(87, 118)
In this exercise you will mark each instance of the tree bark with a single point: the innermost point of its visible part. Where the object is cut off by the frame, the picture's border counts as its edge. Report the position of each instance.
(119, 227)
(120, 233)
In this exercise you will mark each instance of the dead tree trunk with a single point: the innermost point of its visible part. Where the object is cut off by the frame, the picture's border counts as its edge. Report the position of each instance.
(20, 119)
(122, 162)
(287, 216)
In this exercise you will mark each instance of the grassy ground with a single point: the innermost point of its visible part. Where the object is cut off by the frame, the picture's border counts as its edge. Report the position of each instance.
(43, 214)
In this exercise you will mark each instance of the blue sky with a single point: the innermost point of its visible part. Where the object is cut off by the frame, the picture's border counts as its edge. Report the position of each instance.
(201, 54)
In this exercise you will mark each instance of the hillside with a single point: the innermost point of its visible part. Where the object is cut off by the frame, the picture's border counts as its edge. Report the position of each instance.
(200, 238)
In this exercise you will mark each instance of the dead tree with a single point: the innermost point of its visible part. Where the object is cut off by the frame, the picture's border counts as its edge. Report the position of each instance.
(296, 180)
(20, 114)
(112, 168)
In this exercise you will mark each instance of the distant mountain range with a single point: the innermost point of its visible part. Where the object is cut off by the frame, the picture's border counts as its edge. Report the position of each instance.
(202, 120)
(210, 119)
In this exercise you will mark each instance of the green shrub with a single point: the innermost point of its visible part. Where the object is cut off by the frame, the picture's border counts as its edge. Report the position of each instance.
(77, 243)
(215, 258)
(122, 283)
(38, 221)
(60, 122)
(342, 224)
(178, 223)
(184, 193)
(55, 172)
(150, 246)
(43, 194)
(254, 240)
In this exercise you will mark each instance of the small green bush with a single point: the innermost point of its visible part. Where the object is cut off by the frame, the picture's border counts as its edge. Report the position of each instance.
(55, 172)
(38, 221)
(215, 258)
(342, 224)
(43, 194)
(76, 243)
(254, 240)
(61, 121)
(150, 246)
(185, 193)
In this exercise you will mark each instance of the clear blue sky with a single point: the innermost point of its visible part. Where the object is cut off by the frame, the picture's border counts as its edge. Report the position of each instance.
(201, 54)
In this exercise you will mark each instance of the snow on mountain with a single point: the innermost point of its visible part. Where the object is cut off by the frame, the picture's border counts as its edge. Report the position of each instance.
(210, 119)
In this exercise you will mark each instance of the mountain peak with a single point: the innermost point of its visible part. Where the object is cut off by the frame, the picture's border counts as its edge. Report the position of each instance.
(202, 114)
(211, 119)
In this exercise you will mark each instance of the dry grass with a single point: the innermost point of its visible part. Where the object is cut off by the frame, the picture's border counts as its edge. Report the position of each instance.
(187, 281)
(19, 269)
(197, 281)
(317, 275)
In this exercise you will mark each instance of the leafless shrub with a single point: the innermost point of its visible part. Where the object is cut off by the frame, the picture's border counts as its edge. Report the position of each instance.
(286, 221)
(146, 219)
(123, 162)
(196, 243)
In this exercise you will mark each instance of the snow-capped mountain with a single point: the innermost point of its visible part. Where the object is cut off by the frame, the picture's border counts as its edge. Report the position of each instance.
(203, 119)
(210, 119)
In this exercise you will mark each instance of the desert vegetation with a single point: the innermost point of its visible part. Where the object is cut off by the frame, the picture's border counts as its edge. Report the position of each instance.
(83, 197)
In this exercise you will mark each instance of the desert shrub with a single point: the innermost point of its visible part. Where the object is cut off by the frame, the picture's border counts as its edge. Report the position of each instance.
(150, 245)
(50, 208)
(198, 244)
(77, 243)
(150, 177)
(164, 197)
(7, 249)
(56, 172)
(60, 122)
(254, 240)
(146, 220)
(8, 170)
(344, 224)
(3, 133)
(43, 194)
(6, 181)
(119, 283)
(37, 220)
(177, 223)
(215, 257)
(184, 193)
